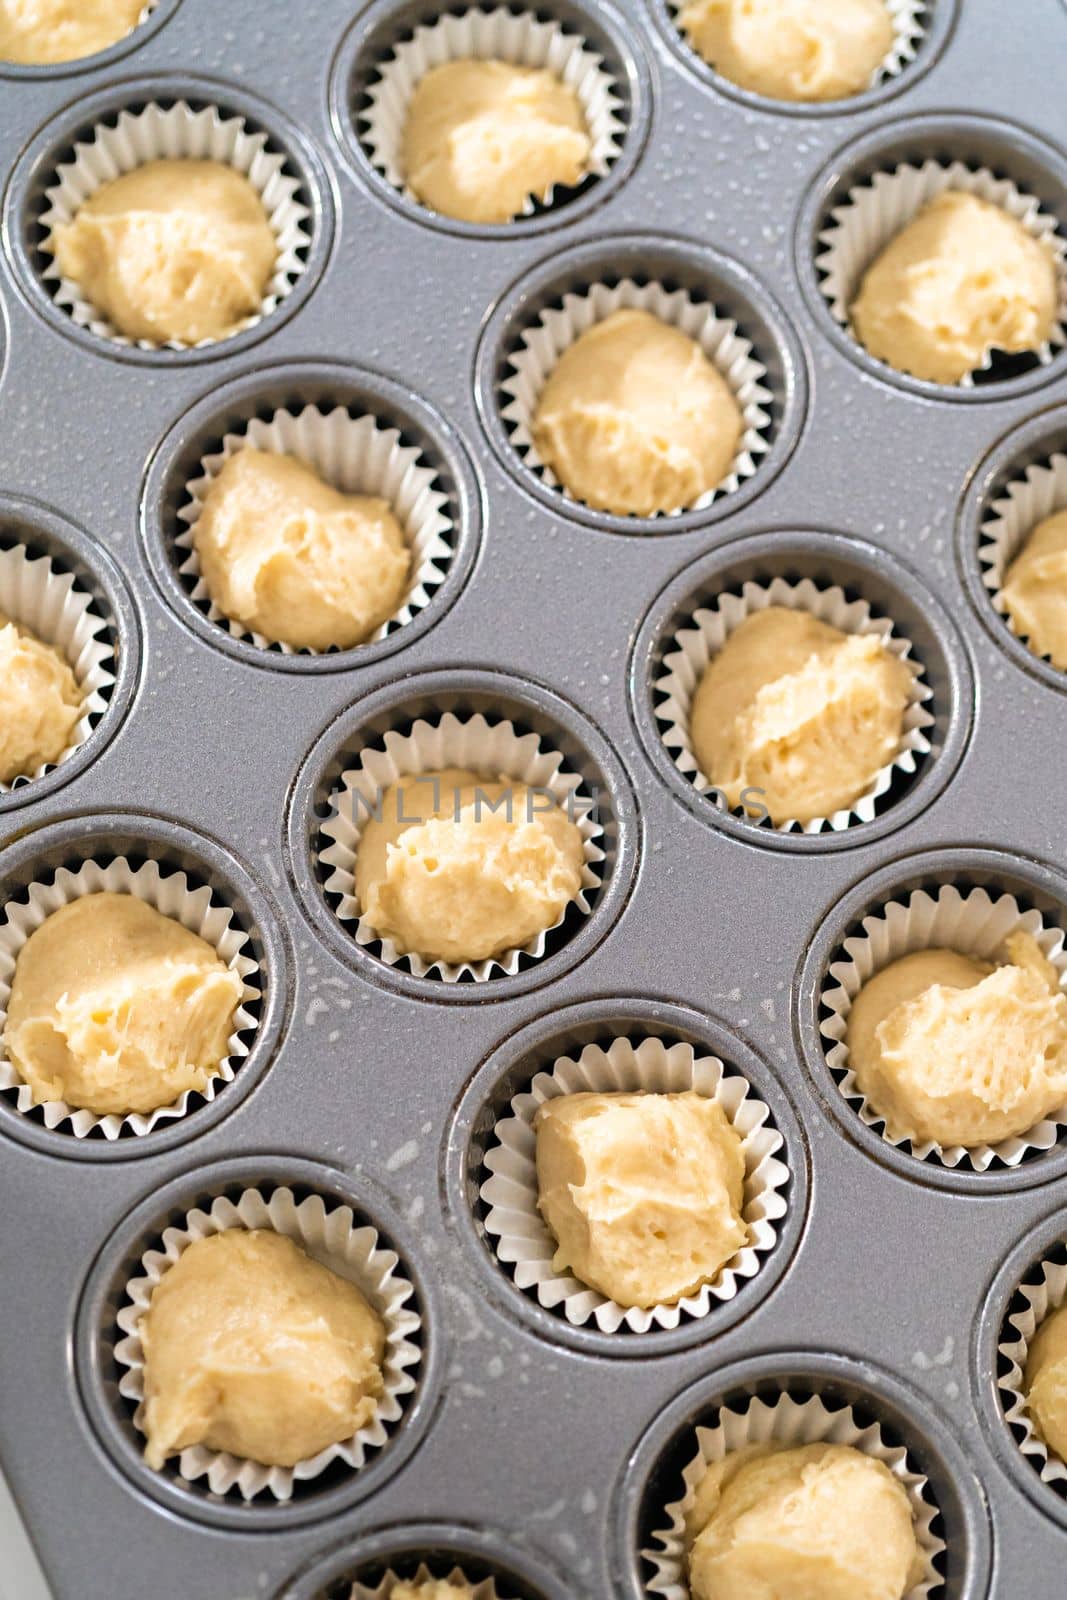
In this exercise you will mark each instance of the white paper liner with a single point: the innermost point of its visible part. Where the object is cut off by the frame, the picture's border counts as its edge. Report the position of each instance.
(1038, 493)
(485, 1590)
(476, 745)
(789, 1423)
(332, 1237)
(974, 924)
(694, 646)
(521, 39)
(543, 342)
(909, 28)
(874, 213)
(178, 132)
(49, 602)
(521, 1238)
(170, 893)
(356, 455)
(1043, 1293)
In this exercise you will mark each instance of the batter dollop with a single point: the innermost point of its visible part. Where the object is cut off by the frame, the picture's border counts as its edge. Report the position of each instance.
(634, 419)
(175, 250)
(642, 1192)
(253, 1347)
(482, 137)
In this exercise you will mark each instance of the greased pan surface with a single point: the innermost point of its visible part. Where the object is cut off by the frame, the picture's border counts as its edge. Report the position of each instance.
(532, 1447)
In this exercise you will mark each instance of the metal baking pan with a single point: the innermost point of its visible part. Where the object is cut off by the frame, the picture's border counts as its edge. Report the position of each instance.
(532, 1449)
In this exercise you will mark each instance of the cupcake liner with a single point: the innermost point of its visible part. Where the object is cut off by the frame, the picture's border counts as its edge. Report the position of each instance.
(524, 1244)
(356, 455)
(177, 132)
(973, 924)
(908, 18)
(1039, 492)
(694, 646)
(519, 38)
(789, 1423)
(333, 1238)
(48, 601)
(485, 1590)
(170, 893)
(543, 342)
(874, 212)
(493, 748)
(1043, 1294)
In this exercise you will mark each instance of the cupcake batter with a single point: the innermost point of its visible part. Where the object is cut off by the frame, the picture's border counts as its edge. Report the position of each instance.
(962, 279)
(1046, 1381)
(174, 251)
(797, 709)
(117, 1008)
(446, 876)
(643, 1192)
(954, 1050)
(792, 49)
(817, 1519)
(634, 419)
(482, 137)
(43, 32)
(293, 559)
(1035, 590)
(40, 702)
(252, 1347)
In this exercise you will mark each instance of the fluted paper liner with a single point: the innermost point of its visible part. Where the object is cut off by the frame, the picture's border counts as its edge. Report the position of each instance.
(522, 39)
(335, 1239)
(707, 631)
(874, 212)
(485, 1590)
(523, 1242)
(1043, 1292)
(540, 345)
(974, 924)
(177, 132)
(1038, 492)
(357, 455)
(788, 1423)
(494, 749)
(199, 910)
(50, 603)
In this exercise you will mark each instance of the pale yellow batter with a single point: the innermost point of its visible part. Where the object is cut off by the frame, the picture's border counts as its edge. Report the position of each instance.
(642, 1192)
(634, 419)
(43, 32)
(819, 1520)
(792, 49)
(117, 1008)
(469, 886)
(252, 1347)
(172, 251)
(959, 1052)
(482, 137)
(1035, 590)
(1046, 1381)
(431, 1589)
(799, 711)
(40, 702)
(962, 279)
(291, 558)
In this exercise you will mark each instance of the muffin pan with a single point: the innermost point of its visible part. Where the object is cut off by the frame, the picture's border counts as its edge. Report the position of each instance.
(533, 1451)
